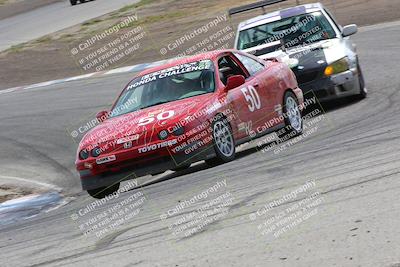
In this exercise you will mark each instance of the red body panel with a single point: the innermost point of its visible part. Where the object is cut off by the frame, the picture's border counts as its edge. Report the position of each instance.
(132, 139)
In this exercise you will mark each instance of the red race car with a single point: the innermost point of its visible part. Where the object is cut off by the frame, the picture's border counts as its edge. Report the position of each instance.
(187, 110)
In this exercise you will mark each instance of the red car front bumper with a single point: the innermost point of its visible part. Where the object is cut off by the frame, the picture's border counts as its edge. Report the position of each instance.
(129, 164)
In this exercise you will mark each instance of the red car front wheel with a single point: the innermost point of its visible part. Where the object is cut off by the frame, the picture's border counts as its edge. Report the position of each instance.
(223, 142)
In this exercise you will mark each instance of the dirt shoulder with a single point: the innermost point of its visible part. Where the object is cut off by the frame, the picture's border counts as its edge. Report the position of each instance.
(8, 192)
(150, 31)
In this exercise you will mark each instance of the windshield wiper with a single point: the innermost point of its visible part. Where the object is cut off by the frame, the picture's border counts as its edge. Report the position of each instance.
(155, 104)
(195, 95)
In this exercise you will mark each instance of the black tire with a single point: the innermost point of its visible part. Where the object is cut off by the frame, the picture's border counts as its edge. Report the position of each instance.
(223, 142)
(293, 117)
(82, 1)
(363, 90)
(102, 192)
(73, 2)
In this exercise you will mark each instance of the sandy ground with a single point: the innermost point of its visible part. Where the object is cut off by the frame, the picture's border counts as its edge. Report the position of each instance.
(163, 21)
(7, 193)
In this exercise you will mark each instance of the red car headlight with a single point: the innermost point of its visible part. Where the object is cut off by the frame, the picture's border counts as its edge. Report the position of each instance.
(96, 152)
(83, 154)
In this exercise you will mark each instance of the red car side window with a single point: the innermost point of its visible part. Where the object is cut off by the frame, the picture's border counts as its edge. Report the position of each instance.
(252, 65)
(227, 67)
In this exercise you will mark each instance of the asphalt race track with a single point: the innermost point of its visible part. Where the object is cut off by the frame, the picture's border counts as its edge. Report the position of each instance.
(35, 23)
(353, 159)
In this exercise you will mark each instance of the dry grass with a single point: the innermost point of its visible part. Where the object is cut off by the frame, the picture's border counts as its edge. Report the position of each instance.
(163, 21)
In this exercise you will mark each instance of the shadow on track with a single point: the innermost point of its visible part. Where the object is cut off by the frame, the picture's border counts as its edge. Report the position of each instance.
(333, 105)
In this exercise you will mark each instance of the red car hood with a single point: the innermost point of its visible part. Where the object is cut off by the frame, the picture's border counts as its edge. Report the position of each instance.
(127, 125)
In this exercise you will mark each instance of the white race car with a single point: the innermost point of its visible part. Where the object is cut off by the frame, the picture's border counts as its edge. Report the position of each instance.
(310, 40)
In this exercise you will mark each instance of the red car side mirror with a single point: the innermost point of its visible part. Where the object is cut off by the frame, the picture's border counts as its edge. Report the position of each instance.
(102, 115)
(234, 82)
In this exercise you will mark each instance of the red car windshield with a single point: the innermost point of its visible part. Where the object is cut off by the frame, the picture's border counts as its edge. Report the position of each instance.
(171, 84)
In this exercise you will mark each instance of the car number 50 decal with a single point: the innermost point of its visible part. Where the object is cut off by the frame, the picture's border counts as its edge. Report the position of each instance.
(253, 99)
(162, 116)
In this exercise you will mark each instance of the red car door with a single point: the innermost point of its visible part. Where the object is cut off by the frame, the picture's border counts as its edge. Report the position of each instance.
(261, 93)
(245, 100)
